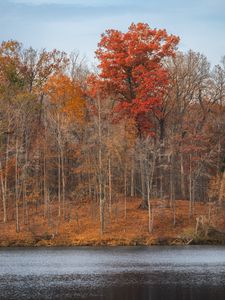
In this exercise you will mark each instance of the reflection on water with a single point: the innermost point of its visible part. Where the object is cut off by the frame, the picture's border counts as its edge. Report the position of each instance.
(113, 273)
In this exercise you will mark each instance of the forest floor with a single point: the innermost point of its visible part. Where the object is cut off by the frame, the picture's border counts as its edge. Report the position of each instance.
(81, 225)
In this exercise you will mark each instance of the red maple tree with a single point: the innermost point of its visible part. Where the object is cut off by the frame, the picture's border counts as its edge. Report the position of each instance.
(132, 70)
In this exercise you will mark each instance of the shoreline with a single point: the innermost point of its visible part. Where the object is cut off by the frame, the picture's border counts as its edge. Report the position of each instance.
(105, 243)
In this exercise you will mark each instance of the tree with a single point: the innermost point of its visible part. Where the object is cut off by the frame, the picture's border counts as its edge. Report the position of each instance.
(66, 105)
(131, 67)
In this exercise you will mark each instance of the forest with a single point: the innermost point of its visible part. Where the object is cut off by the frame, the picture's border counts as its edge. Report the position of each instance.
(131, 149)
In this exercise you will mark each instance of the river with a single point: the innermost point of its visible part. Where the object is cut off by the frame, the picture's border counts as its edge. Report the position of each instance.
(120, 273)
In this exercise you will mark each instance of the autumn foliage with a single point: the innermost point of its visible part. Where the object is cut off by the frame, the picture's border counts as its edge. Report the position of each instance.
(66, 95)
(135, 148)
(131, 66)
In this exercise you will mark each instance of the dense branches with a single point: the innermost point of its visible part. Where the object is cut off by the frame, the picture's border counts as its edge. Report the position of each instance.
(151, 124)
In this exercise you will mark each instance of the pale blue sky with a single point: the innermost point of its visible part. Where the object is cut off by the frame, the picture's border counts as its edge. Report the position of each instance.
(76, 25)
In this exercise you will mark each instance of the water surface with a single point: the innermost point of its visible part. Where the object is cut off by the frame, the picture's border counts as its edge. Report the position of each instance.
(120, 273)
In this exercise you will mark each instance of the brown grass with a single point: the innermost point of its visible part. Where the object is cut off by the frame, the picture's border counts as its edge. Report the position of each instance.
(82, 227)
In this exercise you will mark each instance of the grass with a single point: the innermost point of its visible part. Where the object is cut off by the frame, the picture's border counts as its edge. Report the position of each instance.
(82, 227)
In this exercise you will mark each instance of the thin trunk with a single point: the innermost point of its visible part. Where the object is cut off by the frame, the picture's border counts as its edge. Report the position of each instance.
(63, 183)
(160, 170)
(174, 205)
(149, 191)
(149, 207)
(172, 189)
(45, 168)
(144, 203)
(110, 185)
(49, 208)
(59, 165)
(59, 185)
(193, 197)
(3, 195)
(222, 188)
(190, 189)
(161, 185)
(16, 189)
(89, 175)
(25, 207)
(174, 212)
(132, 178)
(182, 186)
(45, 185)
(6, 177)
(101, 199)
(218, 158)
(125, 191)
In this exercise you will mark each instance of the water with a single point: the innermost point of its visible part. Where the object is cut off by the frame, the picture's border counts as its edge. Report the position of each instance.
(119, 273)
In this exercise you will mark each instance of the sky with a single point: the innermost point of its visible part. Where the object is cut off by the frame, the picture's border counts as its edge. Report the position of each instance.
(76, 25)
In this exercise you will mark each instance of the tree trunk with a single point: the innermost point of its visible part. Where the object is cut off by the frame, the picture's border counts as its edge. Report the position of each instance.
(45, 184)
(132, 178)
(125, 191)
(59, 166)
(16, 189)
(110, 185)
(149, 190)
(222, 188)
(25, 207)
(3, 195)
(190, 189)
(182, 185)
(100, 180)
(59, 185)
(6, 177)
(144, 203)
(63, 182)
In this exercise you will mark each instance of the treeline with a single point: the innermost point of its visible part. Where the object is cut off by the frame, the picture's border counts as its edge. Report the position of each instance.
(149, 123)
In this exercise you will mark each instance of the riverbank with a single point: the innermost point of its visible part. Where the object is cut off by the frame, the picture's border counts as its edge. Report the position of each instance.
(81, 226)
